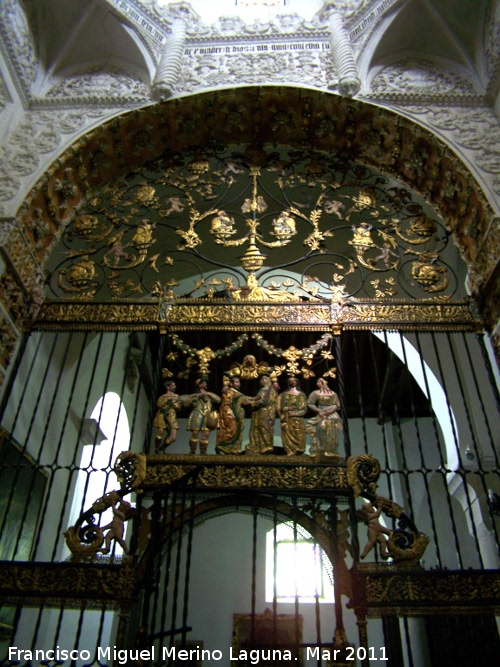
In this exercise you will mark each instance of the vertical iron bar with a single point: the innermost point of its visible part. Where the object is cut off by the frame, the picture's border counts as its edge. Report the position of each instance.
(423, 469)
(443, 467)
(317, 613)
(409, 651)
(138, 393)
(109, 469)
(489, 370)
(296, 601)
(360, 390)
(479, 393)
(381, 418)
(188, 558)
(482, 472)
(473, 438)
(342, 392)
(29, 491)
(14, 369)
(156, 375)
(275, 568)
(78, 632)
(73, 468)
(180, 533)
(169, 543)
(151, 580)
(254, 568)
(459, 472)
(101, 409)
(26, 437)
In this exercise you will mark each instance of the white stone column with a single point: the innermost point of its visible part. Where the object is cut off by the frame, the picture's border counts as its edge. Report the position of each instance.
(169, 67)
(343, 56)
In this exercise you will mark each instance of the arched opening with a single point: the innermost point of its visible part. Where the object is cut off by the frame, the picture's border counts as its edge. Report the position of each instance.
(95, 477)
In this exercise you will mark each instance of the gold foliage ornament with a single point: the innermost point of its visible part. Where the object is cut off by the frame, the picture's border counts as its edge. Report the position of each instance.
(294, 356)
(205, 355)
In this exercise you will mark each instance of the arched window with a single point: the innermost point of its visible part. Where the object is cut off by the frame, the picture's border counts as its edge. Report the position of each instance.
(95, 475)
(297, 566)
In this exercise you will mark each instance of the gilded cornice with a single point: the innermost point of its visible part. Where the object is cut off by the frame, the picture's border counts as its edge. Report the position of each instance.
(74, 585)
(248, 472)
(197, 314)
(394, 590)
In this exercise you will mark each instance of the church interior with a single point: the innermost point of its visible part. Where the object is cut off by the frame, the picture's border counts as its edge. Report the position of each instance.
(250, 332)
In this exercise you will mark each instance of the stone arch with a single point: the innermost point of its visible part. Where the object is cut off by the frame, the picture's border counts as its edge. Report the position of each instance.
(255, 117)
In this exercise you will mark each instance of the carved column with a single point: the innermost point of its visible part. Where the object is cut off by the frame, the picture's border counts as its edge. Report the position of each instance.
(169, 67)
(342, 54)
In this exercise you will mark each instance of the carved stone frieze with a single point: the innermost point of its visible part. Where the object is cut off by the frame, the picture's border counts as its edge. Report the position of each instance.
(216, 65)
(9, 337)
(4, 94)
(487, 259)
(212, 69)
(111, 85)
(20, 255)
(12, 297)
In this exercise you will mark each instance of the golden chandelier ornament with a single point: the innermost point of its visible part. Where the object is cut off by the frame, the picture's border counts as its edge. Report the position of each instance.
(222, 228)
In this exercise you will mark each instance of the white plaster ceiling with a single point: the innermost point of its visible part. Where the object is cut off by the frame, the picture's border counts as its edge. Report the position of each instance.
(85, 35)
(435, 61)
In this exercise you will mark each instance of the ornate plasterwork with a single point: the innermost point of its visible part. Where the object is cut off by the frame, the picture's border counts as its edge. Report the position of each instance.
(293, 65)
(39, 134)
(4, 94)
(85, 585)
(474, 132)
(275, 116)
(421, 79)
(110, 85)
(493, 46)
(232, 472)
(210, 67)
(17, 43)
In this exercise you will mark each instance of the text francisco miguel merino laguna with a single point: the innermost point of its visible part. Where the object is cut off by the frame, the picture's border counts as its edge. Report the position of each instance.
(123, 656)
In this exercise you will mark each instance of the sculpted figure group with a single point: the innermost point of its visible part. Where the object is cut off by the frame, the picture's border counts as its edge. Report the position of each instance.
(289, 406)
